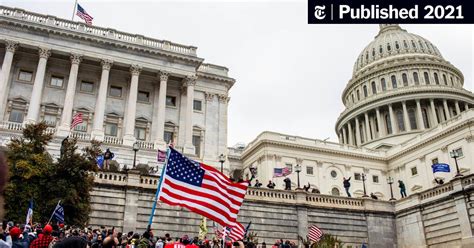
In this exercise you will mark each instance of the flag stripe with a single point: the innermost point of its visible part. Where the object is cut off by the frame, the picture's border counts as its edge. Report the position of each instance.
(237, 232)
(314, 233)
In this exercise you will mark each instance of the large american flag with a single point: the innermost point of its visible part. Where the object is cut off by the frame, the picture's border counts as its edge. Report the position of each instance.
(237, 232)
(76, 120)
(281, 172)
(201, 189)
(81, 12)
(314, 233)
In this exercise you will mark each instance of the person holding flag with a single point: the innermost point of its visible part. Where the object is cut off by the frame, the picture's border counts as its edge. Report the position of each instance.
(29, 215)
(58, 213)
(44, 240)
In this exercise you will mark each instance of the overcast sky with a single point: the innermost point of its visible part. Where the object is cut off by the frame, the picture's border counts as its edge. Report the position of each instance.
(290, 75)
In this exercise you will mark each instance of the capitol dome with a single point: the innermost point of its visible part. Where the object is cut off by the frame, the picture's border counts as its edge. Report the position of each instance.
(400, 86)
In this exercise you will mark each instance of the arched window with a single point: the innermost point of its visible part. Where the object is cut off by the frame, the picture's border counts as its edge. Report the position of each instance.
(365, 91)
(426, 120)
(452, 82)
(389, 48)
(396, 45)
(373, 52)
(384, 85)
(412, 117)
(405, 79)
(335, 191)
(427, 77)
(445, 81)
(352, 97)
(394, 81)
(436, 78)
(374, 88)
(358, 95)
(421, 45)
(415, 78)
(380, 49)
(413, 44)
(401, 124)
(405, 44)
(388, 124)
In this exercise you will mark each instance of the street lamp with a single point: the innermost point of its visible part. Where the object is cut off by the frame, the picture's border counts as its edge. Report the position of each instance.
(136, 147)
(363, 183)
(454, 154)
(390, 182)
(298, 170)
(222, 160)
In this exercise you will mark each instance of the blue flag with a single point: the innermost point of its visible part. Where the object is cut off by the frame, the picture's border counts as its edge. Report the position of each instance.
(100, 161)
(59, 213)
(440, 168)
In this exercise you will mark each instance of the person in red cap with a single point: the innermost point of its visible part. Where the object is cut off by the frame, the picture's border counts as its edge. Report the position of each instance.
(15, 233)
(44, 240)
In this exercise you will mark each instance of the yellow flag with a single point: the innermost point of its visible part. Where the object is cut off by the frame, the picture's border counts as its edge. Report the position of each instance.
(203, 228)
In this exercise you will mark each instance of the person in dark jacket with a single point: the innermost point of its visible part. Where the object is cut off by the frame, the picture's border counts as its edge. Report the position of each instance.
(71, 242)
(287, 183)
(373, 196)
(258, 184)
(271, 185)
(15, 233)
(347, 185)
(403, 190)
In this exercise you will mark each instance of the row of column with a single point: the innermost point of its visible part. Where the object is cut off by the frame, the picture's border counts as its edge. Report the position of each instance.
(347, 135)
(99, 113)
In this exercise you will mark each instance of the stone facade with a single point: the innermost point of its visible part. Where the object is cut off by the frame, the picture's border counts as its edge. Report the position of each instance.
(438, 217)
(129, 88)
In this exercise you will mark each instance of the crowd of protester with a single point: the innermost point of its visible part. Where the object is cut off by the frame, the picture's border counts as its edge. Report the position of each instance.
(61, 236)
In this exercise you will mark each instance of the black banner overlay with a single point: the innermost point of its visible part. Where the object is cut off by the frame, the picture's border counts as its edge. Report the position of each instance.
(390, 11)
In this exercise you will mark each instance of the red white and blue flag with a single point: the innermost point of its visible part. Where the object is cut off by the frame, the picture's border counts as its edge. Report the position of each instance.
(237, 232)
(281, 172)
(76, 120)
(314, 233)
(29, 214)
(81, 12)
(201, 189)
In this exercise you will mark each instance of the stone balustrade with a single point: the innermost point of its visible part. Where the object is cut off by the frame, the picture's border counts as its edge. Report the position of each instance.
(99, 32)
(81, 136)
(11, 126)
(146, 145)
(435, 193)
(112, 140)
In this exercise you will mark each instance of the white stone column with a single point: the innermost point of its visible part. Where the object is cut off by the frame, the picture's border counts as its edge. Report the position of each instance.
(36, 94)
(358, 140)
(222, 140)
(421, 124)
(367, 127)
(349, 130)
(98, 127)
(466, 106)
(392, 119)
(458, 109)
(159, 118)
(66, 117)
(189, 83)
(379, 123)
(10, 49)
(433, 113)
(446, 109)
(129, 138)
(406, 120)
(344, 135)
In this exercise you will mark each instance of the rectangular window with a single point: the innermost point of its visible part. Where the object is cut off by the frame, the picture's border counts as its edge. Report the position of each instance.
(309, 170)
(167, 136)
(171, 101)
(143, 96)
(357, 176)
(50, 120)
(111, 129)
(87, 86)
(375, 179)
(459, 151)
(434, 161)
(197, 105)
(57, 81)
(115, 91)
(81, 127)
(26, 76)
(140, 133)
(16, 116)
(197, 144)
(414, 171)
(289, 166)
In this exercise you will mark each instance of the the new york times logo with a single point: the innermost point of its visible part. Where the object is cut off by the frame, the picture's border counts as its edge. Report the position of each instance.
(390, 11)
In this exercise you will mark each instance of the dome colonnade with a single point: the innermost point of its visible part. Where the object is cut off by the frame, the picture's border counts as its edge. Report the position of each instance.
(400, 86)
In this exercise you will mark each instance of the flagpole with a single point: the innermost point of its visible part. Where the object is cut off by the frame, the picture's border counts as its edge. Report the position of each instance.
(158, 189)
(54, 211)
(74, 11)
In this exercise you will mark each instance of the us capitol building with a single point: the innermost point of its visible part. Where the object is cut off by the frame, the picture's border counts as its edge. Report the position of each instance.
(406, 109)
